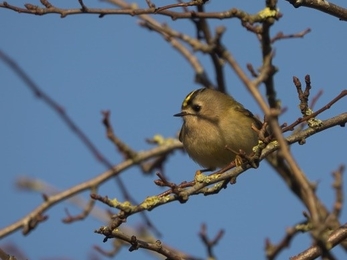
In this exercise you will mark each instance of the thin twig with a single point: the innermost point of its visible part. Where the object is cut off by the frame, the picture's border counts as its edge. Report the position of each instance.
(315, 251)
(282, 36)
(210, 243)
(272, 250)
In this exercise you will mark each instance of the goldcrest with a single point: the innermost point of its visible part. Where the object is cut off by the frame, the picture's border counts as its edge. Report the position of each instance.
(215, 128)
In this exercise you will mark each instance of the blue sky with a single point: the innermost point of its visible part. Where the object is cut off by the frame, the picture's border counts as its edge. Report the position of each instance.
(88, 64)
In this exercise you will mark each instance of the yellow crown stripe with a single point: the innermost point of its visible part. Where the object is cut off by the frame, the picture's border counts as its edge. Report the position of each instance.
(191, 96)
(186, 100)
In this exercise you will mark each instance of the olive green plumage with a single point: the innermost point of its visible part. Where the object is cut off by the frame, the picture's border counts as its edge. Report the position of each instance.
(213, 121)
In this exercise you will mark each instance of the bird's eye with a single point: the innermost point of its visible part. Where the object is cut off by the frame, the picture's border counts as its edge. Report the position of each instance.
(196, 108)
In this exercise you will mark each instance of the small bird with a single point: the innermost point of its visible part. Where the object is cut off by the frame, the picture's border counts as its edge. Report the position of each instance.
(215, 128)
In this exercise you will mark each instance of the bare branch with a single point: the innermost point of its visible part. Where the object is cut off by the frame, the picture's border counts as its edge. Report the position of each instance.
(210, 243)
(272, 251)
(282, 36)
(338, 187)
(86, 210)
(63, 12)
(136, 243)
(322, 5)
(122, 147)
(182, 4)
(334, 239)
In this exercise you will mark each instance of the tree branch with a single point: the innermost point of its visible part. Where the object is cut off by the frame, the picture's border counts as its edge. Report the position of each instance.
(323, 6)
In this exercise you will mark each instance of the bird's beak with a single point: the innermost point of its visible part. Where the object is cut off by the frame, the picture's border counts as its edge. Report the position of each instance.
(181, 114)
